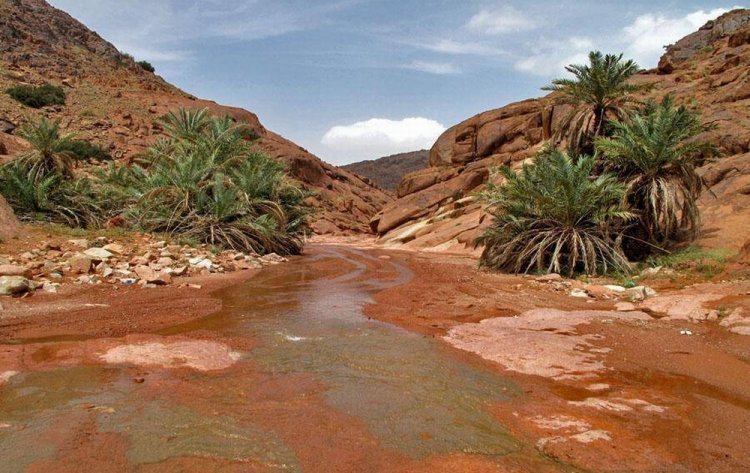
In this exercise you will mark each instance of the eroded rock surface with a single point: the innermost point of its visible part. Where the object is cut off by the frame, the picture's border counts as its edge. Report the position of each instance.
(541, 342)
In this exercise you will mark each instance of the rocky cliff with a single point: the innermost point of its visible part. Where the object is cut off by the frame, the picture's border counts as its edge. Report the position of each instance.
(114, 102)
(709, 69)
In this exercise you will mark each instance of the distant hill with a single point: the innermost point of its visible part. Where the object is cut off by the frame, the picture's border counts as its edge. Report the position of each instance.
(387, 172)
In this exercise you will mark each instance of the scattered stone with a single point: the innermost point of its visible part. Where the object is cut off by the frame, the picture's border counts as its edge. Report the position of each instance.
(615, 288)
(14, 270)
(685, 332)
(81, 264)
(98, 254)
(80, 243)
(737, 322)
(50, 287)
(201, 263)
(115, 248)
(639, 293)
(150, 276)
(14, 285)
(273, 258)
(549, 277)
(580, 293)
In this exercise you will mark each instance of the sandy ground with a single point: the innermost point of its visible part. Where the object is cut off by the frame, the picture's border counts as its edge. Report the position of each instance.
(605, 391)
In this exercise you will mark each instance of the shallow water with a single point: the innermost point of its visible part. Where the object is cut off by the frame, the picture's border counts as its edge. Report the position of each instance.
(317, 384)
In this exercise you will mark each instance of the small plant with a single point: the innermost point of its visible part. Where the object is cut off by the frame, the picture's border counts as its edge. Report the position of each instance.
(552, 216)
(146, 66)
(39, 96)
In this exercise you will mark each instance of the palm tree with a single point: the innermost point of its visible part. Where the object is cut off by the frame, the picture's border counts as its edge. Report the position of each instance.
(204, 182)
(50, 152)
(552, 216)
(598, 93)
(655, 153)
(185, 124)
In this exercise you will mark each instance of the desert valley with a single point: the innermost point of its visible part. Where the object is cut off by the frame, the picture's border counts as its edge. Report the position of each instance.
(561, 284)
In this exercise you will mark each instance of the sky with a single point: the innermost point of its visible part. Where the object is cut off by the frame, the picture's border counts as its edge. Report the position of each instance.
(359, 79)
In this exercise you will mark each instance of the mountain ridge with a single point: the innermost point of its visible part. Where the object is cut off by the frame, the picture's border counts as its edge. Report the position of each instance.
(388, 171)
(113, 102)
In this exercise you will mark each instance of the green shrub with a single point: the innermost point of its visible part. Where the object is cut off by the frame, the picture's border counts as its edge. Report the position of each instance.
(83, 150)
(204, 183)
(38, 97)
(553, 216)
(146, 66)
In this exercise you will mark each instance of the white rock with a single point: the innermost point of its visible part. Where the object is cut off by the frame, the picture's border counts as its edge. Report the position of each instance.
(98, 254)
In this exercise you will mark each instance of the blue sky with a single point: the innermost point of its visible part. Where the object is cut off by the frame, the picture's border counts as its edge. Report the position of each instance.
(359, 79)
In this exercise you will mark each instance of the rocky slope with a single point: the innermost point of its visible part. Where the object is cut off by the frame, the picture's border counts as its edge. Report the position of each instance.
(113, 102)
(388, 171)
(436, 209)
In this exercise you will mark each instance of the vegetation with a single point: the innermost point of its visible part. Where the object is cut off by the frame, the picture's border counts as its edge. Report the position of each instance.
(655, 153)
(204, 183)
(635, 198)
(83, 150)
(598, 93)
(552, 216)
(39, 96)
(50, 151)
(146, 66)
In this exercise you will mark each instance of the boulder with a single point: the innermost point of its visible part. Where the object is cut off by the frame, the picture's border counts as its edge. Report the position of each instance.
(81, 264)
(14, 285)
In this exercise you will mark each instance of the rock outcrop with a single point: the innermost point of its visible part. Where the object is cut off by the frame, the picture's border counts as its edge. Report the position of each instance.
(113, 102)
(437, 209)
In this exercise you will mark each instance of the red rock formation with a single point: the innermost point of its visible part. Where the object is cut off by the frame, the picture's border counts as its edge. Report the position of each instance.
(436, 207)
(113, 102)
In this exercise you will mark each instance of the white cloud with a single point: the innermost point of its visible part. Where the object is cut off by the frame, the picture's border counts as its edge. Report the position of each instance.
(550, 60)
(448, 46)
(160, 30)
(499, 20)
(649, 33)
(378, 137)
(439, 68)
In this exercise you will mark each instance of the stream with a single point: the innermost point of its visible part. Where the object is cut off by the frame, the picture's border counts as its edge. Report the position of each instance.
(310, 384)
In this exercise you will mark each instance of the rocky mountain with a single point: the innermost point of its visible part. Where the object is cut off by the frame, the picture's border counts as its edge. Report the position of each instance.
(710, 70)
(388, 171)
(114, 102)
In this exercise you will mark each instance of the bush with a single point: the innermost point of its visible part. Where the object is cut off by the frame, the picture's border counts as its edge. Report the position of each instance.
(204, 183)
(655, 152)
(83, 150)
(38, 97)
(146, 66)
(553, 216)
